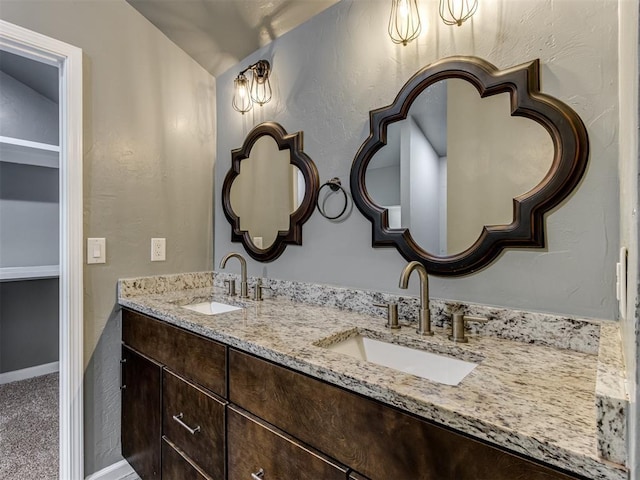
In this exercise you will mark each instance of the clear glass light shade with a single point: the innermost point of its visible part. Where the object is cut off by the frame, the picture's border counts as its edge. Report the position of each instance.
(260, 85)
(242, 94)
(404, 22)
(456, 12)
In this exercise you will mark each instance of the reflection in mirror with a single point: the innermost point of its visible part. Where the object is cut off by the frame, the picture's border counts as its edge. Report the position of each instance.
(267, 191)
(455, 164)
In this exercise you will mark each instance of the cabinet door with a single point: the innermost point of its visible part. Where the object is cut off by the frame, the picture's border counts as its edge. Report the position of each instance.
(257, 450)
(141, 413)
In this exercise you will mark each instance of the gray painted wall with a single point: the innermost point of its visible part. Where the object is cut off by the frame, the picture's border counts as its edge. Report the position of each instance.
(328, 74)
(28, 324)
(29, 215)
(25, 113)
(383, 184)
(29, 218)
(149, 151)
(420, 189)
(41, 77)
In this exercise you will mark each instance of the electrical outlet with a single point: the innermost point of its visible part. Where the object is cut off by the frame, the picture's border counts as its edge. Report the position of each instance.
(158, 249)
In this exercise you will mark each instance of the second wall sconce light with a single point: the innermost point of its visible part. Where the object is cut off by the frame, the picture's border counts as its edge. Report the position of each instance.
(257, 89)
(405, 24)
(456, 12)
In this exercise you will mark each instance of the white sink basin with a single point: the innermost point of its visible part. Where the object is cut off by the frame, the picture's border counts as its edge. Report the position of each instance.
(211, 308)
(438, 368)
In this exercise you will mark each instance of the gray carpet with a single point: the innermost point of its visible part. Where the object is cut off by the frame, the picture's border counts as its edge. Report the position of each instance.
(29, 429)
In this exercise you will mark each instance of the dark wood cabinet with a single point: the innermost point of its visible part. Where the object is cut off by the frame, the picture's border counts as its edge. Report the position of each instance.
(141, 413)
(172, 373)
(255, 446)
(180, 418)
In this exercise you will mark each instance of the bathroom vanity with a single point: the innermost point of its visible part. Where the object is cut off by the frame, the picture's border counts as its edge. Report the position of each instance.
(255, 393)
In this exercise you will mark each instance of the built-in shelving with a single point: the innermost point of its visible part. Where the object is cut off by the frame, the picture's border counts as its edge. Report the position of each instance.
(26, 152)
(11, 274)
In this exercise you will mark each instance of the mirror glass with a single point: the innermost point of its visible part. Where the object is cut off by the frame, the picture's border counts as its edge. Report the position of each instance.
(266, 192)
(455, 164)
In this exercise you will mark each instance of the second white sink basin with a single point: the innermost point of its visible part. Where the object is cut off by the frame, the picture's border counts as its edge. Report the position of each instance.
(211, 308)
(438, 368)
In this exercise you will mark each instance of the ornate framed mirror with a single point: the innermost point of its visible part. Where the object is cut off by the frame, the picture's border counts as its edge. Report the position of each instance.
(465, 162)
(270, 191)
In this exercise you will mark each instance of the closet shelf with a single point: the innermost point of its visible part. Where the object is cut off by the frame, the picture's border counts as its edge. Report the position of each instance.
(10, 274)
(16, 150)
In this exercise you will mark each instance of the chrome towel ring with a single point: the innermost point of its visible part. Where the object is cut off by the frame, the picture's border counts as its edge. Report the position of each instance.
(334, 184)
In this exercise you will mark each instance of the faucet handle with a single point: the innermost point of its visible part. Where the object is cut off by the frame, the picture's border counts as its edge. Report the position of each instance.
(257, 292)
(392, 314)
(231, 287)
(458, 324)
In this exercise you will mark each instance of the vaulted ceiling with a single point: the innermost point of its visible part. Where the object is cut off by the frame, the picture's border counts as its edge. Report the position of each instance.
(219, 33)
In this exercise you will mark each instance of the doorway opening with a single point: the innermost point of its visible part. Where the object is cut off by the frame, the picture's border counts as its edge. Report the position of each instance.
(50, 170)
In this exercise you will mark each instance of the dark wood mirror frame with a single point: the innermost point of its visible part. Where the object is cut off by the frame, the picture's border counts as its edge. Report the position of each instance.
(294, 143)
(522, 82)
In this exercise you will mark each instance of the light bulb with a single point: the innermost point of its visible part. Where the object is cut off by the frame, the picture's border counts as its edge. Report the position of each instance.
(241, 96)
(456, 12)
(403, 9)
(260, 85)
(404, 21)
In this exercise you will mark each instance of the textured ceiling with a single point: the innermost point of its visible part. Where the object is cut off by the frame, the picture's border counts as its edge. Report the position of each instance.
(219, 33)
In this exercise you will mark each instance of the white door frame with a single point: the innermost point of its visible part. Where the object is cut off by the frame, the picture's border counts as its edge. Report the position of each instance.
(68, 59)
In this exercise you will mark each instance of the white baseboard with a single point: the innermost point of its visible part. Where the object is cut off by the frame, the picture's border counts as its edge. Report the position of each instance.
(30, 372)
(117, 471)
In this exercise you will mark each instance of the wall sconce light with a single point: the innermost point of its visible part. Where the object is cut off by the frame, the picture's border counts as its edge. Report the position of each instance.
(404, 22)
(455, 12)
(258, 90)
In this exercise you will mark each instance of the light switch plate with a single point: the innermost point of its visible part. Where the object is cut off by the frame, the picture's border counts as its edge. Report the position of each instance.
(96, 250)
(621, 283)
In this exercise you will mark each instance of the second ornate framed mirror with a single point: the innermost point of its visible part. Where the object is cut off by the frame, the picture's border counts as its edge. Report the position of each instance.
(465, 162)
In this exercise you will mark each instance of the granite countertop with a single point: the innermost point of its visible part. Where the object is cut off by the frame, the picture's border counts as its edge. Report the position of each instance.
(536, 400)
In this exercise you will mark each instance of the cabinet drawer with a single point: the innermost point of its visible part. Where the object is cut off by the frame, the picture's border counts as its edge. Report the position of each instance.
(254, 445)
(197, 358)
(176, 467)
(376, 440)
(357, 476)
(197, 410)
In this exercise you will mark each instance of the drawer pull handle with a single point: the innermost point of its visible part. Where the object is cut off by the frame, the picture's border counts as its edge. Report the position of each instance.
(122, 384)
(259, 475)
(192, 431)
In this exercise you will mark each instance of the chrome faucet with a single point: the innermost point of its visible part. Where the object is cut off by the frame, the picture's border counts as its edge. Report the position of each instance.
(424, 320)
(243, 271)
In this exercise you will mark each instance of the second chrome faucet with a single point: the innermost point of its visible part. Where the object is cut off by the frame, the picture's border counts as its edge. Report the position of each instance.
(424, 320)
